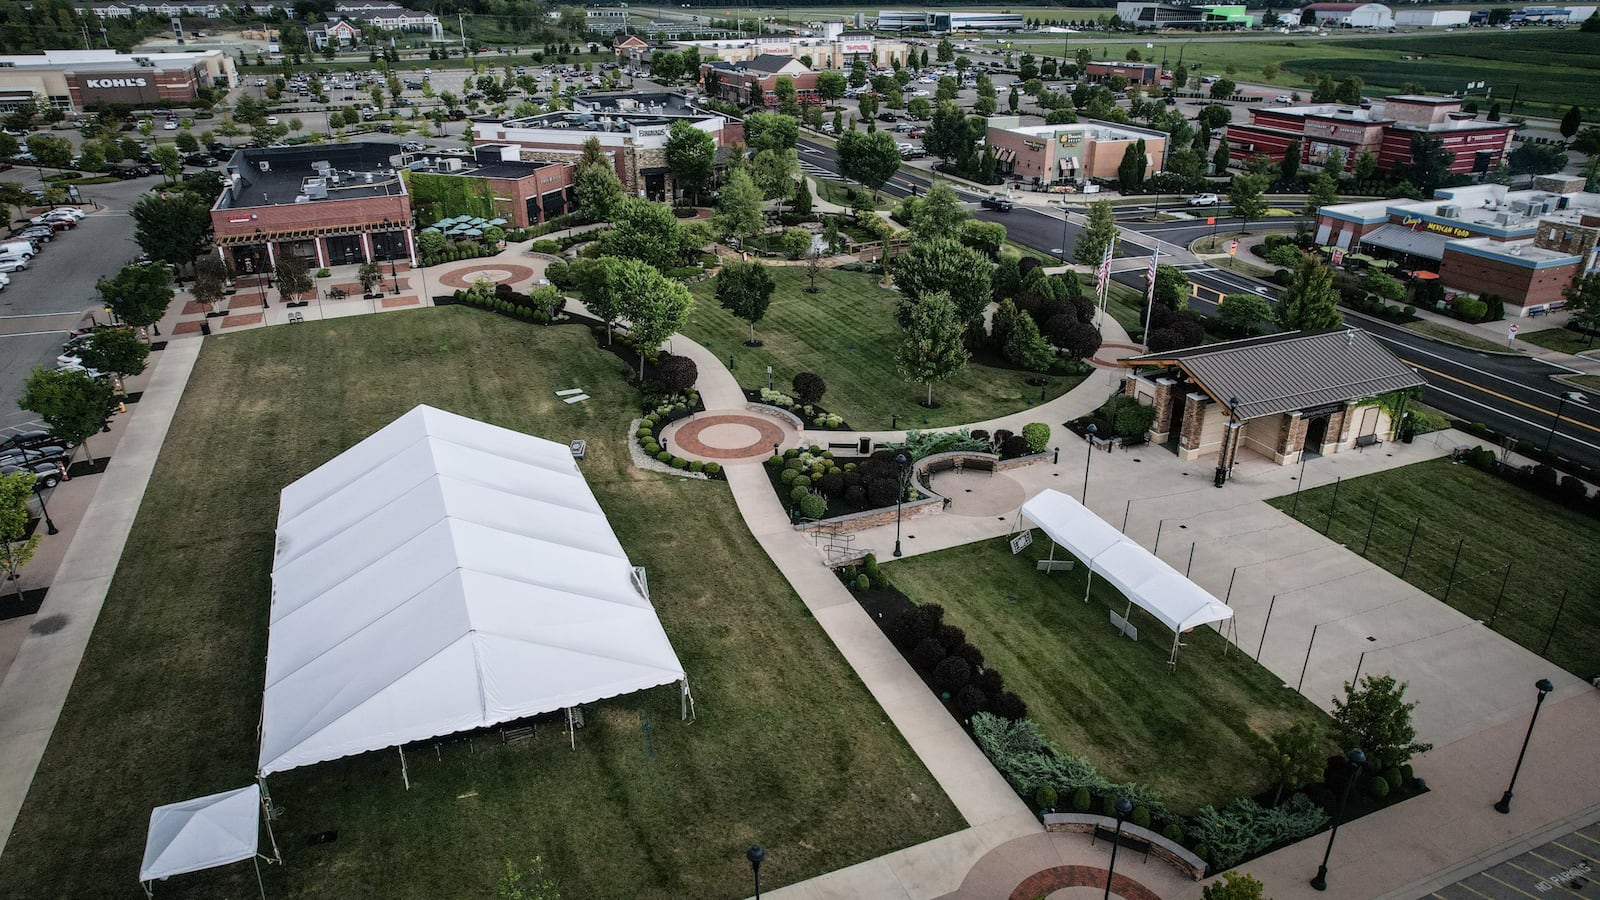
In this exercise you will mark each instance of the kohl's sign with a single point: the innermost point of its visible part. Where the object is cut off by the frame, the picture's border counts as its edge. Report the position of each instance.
(119, 87)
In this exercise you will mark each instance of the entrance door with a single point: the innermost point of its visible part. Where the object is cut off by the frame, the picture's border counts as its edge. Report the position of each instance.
(1316, 433)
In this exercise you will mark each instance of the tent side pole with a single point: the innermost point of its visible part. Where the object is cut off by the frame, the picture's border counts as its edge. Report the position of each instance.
(254, 861)
(572, 733)
(1172, 661)
(683, 700)
(149, 889)
(405, 775)
(266, 816)
(1088, 582)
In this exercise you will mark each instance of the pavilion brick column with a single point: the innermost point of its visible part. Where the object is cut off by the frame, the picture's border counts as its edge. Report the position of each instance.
(1339, 423)
(1230, 445)
(1291, 437)
(1161, 426)
(1195, 407)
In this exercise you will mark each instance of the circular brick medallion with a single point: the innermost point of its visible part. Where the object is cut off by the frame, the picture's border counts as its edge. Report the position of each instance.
(495, 273)
(728, 436)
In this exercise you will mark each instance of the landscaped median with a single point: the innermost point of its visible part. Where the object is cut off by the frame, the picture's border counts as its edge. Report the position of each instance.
(788, 750)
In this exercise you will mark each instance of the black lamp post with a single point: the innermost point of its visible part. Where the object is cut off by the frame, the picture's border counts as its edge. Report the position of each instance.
(1087, 457)
(1123, 806)
(1357, 760)
(1504, 806)
(900, 495)
(50, 526)
(266, 267)
(393, 275)
(1574, 396)
(755, 854)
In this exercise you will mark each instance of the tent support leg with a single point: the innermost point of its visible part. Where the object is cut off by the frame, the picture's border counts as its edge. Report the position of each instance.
(149, 889)
(1172, 661)
(1088, 582)
(405, 775)
(266, 816)
(259, 886)
(572, 733)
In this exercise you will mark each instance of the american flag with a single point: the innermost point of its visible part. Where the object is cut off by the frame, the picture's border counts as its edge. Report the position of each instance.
(1103, 273)
(1150, 280)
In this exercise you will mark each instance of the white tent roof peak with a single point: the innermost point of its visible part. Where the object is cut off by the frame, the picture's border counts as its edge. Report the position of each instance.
(202, 833)
(443, 575)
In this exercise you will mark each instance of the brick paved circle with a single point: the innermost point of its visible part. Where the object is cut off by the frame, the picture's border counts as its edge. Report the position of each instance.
(497, 273)
(705, 435)
(1046, 882)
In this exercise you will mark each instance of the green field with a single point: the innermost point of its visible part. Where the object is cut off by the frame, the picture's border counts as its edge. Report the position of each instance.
(1551, 550)
(1460, 336)
(847, 334)
(1194, 734)
(788, 750)
(1564, 340)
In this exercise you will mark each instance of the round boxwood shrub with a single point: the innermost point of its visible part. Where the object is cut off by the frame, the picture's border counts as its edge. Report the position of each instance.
(791, 453)
(798, 491)
(935, 614)
(952, 674)
(713, 469)
(1393, 776)
(989, 681)
(651, 449)
(697, 466)
(663, 456)
(968, 702)
(787, 476)
(1013, 447)
(950, 635)
(679, 462)
(1080, 800)
(928, 654)
(644, 432)
(855, 495)
(1045, 797)
(1007, 705)
(832, 483)
(908, 629)
(862, 583)
(1173, 832)
(774, 462)
(1037, 434)
(1140, 817)
(813, 505)
(1108, 806)
(971, 654)
(1379, 787)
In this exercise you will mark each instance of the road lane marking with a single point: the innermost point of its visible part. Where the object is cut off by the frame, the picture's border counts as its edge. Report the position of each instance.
(1501, 412)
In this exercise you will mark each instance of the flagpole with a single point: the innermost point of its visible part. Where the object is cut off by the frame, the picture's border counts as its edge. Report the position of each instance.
(1150, 295)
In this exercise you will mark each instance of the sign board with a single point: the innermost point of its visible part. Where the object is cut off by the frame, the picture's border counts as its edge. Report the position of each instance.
(1021, 542)
(1211, 220)
(1435, 227)
(1123, 625)
(1513, 327)
(137, 87)
(1338, 257)
(856, 47)
(1233, 248)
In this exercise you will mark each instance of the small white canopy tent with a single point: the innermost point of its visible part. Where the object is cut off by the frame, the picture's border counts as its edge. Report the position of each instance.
(1140, 575)
(202, 834)
(443, 575)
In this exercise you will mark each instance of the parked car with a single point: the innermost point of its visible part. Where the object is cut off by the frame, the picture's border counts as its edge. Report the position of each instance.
(1203, 200)
(1283, 98)
(998, 204)
(39, 233)
(44, 474)
(12, 263)
(29, 456)
(28, 440)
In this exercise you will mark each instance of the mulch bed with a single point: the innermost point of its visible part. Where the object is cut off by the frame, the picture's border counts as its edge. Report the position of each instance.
(12, 607)
(83, 467)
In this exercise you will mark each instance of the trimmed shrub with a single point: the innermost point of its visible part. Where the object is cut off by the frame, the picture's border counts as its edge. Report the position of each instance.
(1007, 705)
(862, 583)
(813, 505)
(697, 466)
(1037, 434)
(1108, 806)
(809, 387)
(1140, 817)
(971, 654)
(1379, 787)
(989, 681)
(663, 456)
(832, 484)
(679, 462)
(1080, 800)
(1173, 832)
(928, 654)
(651, 448)
(934, 613)
(1393, 776)
(1045, 797)
(952, 674)
(1014, 447)
(798, 491)
(855, 495)
(951, 636)
(774, 462)
(676, 373)
(787, 476)
(713, 469)
(968, 702)
(909, 629)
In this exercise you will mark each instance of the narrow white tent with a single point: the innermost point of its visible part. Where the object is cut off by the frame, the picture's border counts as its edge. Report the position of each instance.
(1140, 575)
(443, 575)
(202, 834)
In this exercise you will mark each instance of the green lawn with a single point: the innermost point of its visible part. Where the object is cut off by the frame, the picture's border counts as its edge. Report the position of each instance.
(1193, 733)
(1551, 549)
(789, 750)
(848, 335)
(1469, 339)
(1564, 340)
(849, 195)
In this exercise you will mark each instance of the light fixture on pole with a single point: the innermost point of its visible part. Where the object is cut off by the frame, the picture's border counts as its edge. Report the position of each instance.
(261, 279)
(901, 480)
(49, 525)
(1504, 806)
(1575, 397)
(1087, 458)
(393, 275)
(1357, 759)
(756, 854)
(1124, 806)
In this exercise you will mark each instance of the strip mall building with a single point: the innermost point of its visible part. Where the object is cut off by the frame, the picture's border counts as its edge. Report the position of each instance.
(1524, 246)
(74, 80)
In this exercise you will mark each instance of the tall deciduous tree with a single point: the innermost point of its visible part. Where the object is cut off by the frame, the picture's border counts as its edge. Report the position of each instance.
(871, 159)
(745, 289)
(649, 232)
(691, 155)
(73, 403)
(738, 208)
(1310, 302)
(210, 280)
(1096, 236)
(294, 278)
(138, 295)
(173, 228)
(656, 306)
(938, 214)
(774, 172)
(830, 86)
(1247, 195)
(945, 266)
(16, 545)
(116, 350)
(597, 189)
(933, 348)
(770, 131)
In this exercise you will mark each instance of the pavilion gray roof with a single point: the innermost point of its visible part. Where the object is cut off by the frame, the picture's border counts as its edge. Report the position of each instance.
(1282, 373)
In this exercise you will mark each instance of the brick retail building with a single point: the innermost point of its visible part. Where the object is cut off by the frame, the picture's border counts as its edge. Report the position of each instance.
(755, 82)
(75, 80)
(495, 182)
(1069, 154)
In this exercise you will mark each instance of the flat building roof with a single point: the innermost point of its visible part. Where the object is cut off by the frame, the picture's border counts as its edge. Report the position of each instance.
(279, 176)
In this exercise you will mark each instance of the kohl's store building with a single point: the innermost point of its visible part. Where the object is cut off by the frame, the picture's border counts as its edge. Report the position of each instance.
(76, 80)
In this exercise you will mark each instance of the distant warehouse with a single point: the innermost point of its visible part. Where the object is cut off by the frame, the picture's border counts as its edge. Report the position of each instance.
(1207, 17)
(942, 22)
(1350, 15)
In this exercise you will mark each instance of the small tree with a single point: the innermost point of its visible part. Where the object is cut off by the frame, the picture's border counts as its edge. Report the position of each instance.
(370, 274)
(1295, 755)
(1096, 236)
(1234, 886)
(1247, 195)
(933, 348)
(116, 350)
(656, 306)
(1310, 302)
(1376, 718)
(73, 404)
(745, 289)
(1027, 348)
(138, 295)
(691, 155)
(809, 387)
(16, 547)
(739, 204)
(677, 373)
(294, 278)
(1241, 313)
(210, 281)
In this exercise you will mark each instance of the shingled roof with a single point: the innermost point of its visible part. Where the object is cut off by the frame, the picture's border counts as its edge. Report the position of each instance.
(1282, 373)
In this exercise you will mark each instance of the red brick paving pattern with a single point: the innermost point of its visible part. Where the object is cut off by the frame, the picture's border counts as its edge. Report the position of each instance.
(688, 437)
(186, 328)
(392, 302)
(463, 278)
(1043, 883)
(240, 321)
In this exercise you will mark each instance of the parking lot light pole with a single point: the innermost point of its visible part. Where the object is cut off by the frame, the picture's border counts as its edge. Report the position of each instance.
(1504, 806)
(49, 525)
(1088, 457)
(1573, 396)
(1357, 760)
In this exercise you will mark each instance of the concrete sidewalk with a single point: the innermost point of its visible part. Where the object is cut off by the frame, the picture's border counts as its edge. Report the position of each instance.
(36, 687)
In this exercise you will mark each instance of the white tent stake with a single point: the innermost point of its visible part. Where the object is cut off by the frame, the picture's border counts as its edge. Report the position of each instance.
(405, 776)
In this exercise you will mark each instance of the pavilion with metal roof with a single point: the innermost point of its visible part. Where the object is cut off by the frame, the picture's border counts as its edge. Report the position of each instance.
(1280, 395)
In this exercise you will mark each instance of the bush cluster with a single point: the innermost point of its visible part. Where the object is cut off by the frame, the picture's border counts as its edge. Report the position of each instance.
(954, 667)
(1544, 480)
(1027, 759)
(543, 306)
(807, 410)
(646, 436)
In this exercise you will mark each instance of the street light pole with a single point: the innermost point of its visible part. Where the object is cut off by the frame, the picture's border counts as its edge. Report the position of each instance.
(1087, 458)
(260, 283)
(1576, 397)
(1504, 806)
(901, 461)
(756, 854)
(1124, 806)
(1357, 760)
(49, 525)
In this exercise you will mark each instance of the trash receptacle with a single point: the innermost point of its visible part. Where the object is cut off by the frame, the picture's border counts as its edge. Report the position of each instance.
(1222, 476)
(864, 446)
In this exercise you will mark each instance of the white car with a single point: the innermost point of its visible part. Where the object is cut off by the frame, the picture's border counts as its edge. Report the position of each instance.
(170, 126)
(1283, 98)
(1203, 200)
(272, 120)
(13, 264)
(261, 82)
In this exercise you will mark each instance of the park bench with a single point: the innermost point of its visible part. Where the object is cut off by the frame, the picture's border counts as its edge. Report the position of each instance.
(1131, 841)
(1367, 440)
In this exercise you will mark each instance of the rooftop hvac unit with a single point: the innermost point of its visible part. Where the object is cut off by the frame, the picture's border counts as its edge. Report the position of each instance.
(302, 198)
(321, 167)
(367, 177)
(1504, 218)
(1521, 207)
(451, 164)
(1449, 211)
(264, 166)
(316, 189)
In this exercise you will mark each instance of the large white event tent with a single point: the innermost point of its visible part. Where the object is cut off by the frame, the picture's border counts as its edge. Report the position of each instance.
(203, 833)
(443, 575)
(1140, 575)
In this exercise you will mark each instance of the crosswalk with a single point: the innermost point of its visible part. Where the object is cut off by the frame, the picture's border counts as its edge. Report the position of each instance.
(814, 170)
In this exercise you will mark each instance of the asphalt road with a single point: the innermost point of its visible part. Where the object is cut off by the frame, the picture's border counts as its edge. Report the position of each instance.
(45, 301)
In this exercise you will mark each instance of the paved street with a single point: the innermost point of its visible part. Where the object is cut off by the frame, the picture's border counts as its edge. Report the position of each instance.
(1563, 866)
